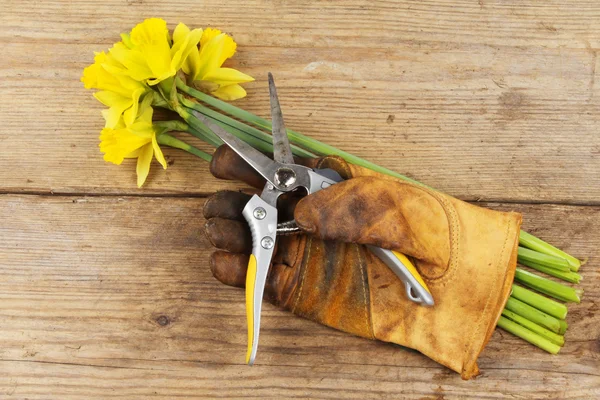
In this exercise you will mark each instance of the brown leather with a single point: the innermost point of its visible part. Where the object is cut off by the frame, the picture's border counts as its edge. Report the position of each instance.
(230, 235)
(229, 268)
(234, 205)
(466, 254)
(226, 164)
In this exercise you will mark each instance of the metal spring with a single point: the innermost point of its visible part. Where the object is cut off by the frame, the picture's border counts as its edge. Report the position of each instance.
(288, 228)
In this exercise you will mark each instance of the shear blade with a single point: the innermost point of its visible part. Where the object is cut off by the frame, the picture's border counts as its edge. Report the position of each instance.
(282, 151)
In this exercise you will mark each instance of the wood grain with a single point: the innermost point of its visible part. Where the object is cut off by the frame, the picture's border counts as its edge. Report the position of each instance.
(111, 296)
(484, 100)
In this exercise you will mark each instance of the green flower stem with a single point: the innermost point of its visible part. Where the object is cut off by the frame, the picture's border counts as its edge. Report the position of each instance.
(240, 126)
(549, 306)
(568, 276)
(533, 314)
(546, 260)
(168, 126)
(526, 334)
(165, 88)
(306, 142)
(548, 287)
(540, 330)
(158, 100)
(251, 140)
(196, 127)
(320, 148)
(171, 141)
(534, 243)
(563, 326)
(215, 142)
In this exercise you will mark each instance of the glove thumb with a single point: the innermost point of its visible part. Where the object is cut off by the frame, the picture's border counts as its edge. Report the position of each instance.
(380, 212)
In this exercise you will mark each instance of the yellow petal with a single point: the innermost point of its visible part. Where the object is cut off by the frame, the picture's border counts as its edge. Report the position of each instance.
(158, 58)
(117, 106)
(133, 154)
(97, 77)
(210, 54)
(126, 39)
(229, 93)
(145, 113)
(111, 99)
(191, 66)
(126, 83)
(227, 76)
(99, 57)
(111, 117)
(117, 70)
(229, 47)
(90, 76)
(180, 32)
(151, 38)
(149, 31)
(130, 114)
(158, 152)
(183, 48)
(134, 61)
(114, 63)
(143, 164)
(208, 34)
(116, 144)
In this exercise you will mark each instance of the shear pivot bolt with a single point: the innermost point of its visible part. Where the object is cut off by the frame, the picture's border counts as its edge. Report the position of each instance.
(259, 213)
(285, 177)
(267, 242)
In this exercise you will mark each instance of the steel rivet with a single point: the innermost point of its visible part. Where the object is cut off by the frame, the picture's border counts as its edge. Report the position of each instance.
(259, 213)
(267, 242)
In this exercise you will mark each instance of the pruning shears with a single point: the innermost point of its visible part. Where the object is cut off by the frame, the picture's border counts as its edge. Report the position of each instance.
(284, 176)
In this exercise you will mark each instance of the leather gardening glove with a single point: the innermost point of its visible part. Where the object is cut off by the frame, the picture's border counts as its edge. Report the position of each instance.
(466, 255)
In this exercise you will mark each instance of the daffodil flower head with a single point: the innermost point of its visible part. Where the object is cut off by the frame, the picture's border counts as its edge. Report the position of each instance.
(147, 53)
(204, 67)
(118, 91)
(136, 140)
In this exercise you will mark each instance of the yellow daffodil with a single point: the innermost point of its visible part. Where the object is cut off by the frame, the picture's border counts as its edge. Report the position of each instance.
(136, 140)
(118, 91)
(147, 53)
(204, 67)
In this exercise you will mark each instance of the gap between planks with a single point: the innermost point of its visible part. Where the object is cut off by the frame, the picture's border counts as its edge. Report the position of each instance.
(203, 195)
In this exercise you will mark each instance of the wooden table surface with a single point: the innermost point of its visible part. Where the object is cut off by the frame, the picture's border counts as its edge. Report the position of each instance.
(105, 289)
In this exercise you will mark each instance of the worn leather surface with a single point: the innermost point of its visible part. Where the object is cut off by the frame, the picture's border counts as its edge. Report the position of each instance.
(466, 254)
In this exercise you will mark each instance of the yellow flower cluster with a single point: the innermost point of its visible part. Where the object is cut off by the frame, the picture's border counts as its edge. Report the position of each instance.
(127, 76)
(133, 140)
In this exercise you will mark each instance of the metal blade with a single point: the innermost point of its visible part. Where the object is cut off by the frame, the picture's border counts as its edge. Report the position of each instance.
(257, 160)
(281, 146)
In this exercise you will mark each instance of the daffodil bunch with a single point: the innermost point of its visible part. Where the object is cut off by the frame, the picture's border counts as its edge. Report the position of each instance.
(138, 73)
(183, 72)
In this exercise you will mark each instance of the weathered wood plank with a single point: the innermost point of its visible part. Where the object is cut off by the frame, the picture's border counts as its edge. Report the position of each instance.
(483, 100)
(112, 296)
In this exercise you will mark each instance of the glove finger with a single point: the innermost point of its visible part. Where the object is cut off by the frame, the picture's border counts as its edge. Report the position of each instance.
(226, 204)
(229, 268)
(226, 234)
(227, 164)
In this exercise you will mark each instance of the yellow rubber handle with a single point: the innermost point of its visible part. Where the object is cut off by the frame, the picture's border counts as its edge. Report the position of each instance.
(250, 284)
(411, 268)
